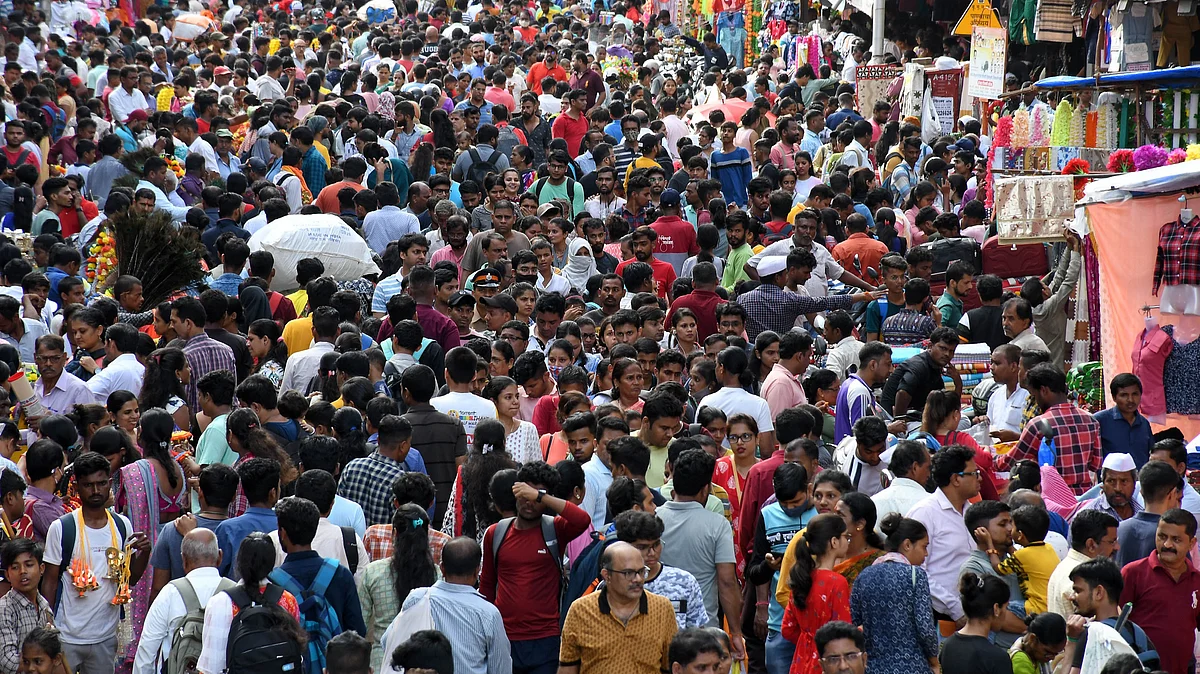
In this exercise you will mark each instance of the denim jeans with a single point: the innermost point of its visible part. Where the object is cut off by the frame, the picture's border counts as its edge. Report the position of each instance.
(780, 652)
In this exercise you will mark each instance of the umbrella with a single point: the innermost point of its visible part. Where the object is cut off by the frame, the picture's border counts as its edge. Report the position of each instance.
(188, 26)
(733, 108)
(378, 11)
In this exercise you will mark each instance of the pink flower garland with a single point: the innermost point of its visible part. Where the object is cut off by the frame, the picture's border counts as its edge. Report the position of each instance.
(1149, 156)
(1121, 161)
(1177, 156)
(1003, 135)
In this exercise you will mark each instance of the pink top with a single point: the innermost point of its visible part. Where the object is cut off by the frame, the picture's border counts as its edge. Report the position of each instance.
(1150, 351)
(447, 253)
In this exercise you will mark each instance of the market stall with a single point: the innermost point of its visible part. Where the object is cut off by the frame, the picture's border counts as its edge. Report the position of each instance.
(1124, 217)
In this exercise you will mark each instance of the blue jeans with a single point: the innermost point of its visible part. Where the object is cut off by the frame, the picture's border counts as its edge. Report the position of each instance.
(536, 656)
(780, 652)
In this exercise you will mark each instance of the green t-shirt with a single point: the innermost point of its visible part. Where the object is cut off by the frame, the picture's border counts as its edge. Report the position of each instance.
(734, 264)
(1021, 664)
(951, 309)
(549, 192)
(874, 322)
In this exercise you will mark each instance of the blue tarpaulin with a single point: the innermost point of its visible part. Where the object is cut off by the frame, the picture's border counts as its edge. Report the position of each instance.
(1166, 78)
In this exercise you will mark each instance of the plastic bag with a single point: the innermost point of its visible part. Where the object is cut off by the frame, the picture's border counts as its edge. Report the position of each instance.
(293, 237)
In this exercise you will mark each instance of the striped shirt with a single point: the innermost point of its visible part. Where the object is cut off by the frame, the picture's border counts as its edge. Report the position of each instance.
(205, 354)
(906, 328)
(470, 622)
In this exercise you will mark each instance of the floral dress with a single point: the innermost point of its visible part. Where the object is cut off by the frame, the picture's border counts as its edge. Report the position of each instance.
(828, 600)
(522, 444)
(273, 371)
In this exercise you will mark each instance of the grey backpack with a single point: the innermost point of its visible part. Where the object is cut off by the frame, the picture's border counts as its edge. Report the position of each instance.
(187, 639)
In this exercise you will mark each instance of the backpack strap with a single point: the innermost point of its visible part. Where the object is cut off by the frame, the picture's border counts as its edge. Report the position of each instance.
(550, 535)
(474, 154)
(22, 156)
(320, 584)
(191, 603)
(240, 598)
(350, 545)
(502, 528)
(285, 580)
(544, 445)
(537, 187)
(272, 594)
(69, 535)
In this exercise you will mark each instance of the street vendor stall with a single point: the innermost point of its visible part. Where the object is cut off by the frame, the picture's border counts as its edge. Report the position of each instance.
(1148, 324)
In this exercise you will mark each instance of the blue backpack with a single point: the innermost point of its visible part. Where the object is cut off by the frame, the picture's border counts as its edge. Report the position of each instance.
(57, 121)
(585, 573)
(318, 617)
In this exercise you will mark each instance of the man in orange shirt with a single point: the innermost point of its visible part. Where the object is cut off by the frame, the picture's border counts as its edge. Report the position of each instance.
(353, 170)
(548, 66)
(860, 245)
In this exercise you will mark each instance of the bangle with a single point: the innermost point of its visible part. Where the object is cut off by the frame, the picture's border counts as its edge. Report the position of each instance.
(1073, 640)
(993, 551)
(762, 603)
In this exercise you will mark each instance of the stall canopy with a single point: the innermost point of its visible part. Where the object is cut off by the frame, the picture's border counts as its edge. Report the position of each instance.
(1166, 78)
(1164, 179)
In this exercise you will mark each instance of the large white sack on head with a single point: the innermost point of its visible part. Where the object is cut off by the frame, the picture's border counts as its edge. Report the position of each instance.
(326, 237)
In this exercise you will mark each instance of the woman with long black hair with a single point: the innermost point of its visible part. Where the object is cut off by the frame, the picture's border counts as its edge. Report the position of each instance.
(470, 512)
(167, 371)
(255, 561)
(386, 582)
(351, 433)
(268, 349)
(248, 439)
(819, 594)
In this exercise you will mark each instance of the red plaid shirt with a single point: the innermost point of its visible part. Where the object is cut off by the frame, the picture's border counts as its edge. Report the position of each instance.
(1077, 443)
(378, 542)
(1178, 258)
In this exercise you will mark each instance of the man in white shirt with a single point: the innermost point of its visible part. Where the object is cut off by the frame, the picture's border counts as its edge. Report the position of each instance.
(909, 464)
(121, 370)
(201, 557)
(844, 348)
(856, 152)
(950, 544)
(188, 133)
(268, 87)
(27, 52)
(860, 455)
(330, 540)
(302, 366)
(857, 51)
(674, 127)
(461, 402)
(127, 97)
(1006, 404)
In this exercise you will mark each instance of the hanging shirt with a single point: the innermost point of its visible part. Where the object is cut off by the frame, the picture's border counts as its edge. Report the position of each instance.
(1150, 352)
(1178, 259)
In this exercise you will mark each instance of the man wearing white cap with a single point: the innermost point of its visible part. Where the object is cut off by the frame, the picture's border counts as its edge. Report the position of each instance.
(1118, 474)
(771, 307)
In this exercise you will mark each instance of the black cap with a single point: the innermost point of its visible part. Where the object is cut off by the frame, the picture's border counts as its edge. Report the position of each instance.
(501, 301)
(460, 297)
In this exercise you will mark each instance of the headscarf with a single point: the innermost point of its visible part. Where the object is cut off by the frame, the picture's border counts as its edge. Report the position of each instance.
(387, 106)
(579, 268)
(317, 123)
(254, 305)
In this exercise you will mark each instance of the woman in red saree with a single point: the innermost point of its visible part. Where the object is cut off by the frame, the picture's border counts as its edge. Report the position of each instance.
(732, 469)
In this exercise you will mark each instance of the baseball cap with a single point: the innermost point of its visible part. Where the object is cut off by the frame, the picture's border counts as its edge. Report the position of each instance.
(772, 264)
(257, 164)
(138, 115)
(224, 133)
(460, 297)
(486, 278)
(669, 197)
(500, 301)
(547, 208)
(221, 70)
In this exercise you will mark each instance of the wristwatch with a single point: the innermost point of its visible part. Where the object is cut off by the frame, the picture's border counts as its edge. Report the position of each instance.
(541, 493)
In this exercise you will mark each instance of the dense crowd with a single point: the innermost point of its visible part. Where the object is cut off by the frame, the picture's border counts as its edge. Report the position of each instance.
(655, 368)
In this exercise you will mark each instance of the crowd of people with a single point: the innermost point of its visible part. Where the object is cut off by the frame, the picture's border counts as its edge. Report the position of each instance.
(620, 398)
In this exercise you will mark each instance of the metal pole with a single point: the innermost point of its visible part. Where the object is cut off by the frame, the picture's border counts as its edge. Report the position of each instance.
(878, 18)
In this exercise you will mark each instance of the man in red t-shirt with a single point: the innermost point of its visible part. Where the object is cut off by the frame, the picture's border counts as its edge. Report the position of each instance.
(14, 136)
(521, 575)
(643, 240)
(703, 300)
(572, 125)
(676, 236)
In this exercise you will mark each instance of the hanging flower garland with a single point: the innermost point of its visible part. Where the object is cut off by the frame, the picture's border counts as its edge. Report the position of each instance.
(989, 180)
(1078, 128)
(1004, 132)
(1060, 136)
(1020, 133)
(1038, 123)
(1105, 138)
(102, 258)
(1177, 156)
(1121, 161)
(1193, 152)
(1149, 156)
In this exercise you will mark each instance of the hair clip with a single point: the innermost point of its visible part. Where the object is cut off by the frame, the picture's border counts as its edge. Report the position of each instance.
(487, 448)
(418, 522)
(980, 578)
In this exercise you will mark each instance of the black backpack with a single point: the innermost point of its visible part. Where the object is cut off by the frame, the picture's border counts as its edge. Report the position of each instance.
(257, 641)
(480, 168)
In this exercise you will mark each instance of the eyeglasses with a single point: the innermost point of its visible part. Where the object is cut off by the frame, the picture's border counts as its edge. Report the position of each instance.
(647, 548)
(839, 659)
(48, 359)
(969, 473)
(631, 574)
(744, 437)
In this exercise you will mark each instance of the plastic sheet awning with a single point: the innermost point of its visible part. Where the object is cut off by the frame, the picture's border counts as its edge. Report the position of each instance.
(1165, 78)
(1164, 179)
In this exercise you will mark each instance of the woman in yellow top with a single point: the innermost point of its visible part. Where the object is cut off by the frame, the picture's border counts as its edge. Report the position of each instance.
(318, 124)
(650, 144)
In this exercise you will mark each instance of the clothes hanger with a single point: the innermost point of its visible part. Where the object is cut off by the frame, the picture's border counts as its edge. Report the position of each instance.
(1150, 319)
(1185, 213)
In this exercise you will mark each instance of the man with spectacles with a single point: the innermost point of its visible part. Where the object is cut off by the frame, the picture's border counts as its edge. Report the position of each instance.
(840, 648)
(643, 531)
(58, 390)
(621, 626)
(950, 543)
